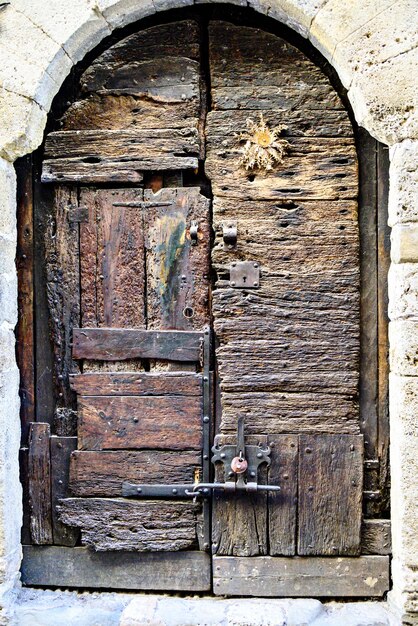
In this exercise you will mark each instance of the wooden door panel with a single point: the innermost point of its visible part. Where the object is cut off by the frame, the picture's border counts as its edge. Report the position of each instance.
(139, 110)
(177, 266)
(161, 422)
(330, 494)
(283, 505)
(112, 259)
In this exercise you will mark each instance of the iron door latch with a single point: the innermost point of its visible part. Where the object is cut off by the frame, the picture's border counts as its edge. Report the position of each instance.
(241, 463)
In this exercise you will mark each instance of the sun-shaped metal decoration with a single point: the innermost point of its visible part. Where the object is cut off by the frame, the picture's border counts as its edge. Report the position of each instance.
(263, 147)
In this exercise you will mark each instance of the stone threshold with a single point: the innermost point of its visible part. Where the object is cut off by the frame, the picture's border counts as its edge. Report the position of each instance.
(35, 607)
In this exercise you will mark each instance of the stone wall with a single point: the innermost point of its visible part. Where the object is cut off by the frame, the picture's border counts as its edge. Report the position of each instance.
(373, 45)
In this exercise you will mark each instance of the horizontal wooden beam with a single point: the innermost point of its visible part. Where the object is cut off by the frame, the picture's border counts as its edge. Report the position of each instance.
(119, 344)
(137, 384)
(364, 576)
(58, 566)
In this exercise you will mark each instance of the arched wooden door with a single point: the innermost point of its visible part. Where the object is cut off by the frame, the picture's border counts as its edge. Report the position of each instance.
(199, 211)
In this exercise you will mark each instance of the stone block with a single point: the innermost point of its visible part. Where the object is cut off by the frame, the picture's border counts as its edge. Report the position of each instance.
(403, 402)
(403, 291)
(7, 199)
(384, 99)
(336, 21)
(22, 124)
(8, 298)
(403, 347)
(119, 13)
(403, 190)
(404, 243)
(390, 32)
(77, 27)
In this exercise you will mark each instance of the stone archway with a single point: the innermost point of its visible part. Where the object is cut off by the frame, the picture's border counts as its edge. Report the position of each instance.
(373, 48)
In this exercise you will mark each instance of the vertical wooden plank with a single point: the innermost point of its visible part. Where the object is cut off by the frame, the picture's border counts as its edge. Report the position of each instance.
(62, 274)
(39, 471)
(60, 450)
(112, 259)
(44, 355)
(383, 262)
(330, 494)
(368, 388)
(24, 480)
(177, 270)
(282, 506)
(24, 261)
(239, 525)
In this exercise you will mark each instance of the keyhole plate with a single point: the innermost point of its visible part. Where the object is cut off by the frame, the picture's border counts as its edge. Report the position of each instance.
(244, 275)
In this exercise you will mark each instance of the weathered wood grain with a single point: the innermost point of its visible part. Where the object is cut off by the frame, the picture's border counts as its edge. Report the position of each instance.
(112, 259)
(60, 450)
(239, 522)
(137, 384)
(39, 476)
(25, 340)
(366, 576)
(329, 521)
(376, 536)
(282, 505)
(63, 296)
(109, 112)
(296, 412)
(102, 473)
(165, 422)
(119, 155)
(315, 168)
(115, 344)
(92, 170)
(150, 82)
(116, 524)
(177, 270)
(81, 568)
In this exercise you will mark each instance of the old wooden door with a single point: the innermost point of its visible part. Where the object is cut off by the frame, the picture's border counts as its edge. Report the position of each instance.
(199, 244)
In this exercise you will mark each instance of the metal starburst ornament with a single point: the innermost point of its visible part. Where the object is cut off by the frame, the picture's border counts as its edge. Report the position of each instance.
(263, 146)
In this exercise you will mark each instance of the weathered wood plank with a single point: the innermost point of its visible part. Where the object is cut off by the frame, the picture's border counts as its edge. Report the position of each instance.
(115, 344)
(137, 384)
(315, 168)
(81, 568)
(281, 412)
(329, 521)
(365, 576)
(25, 344)
(177, 269)
(63, 295)
(60, 450)
(149, 526)
(39, 473)
(92, 170)
(165, 422)
(282, 505)
(112, 259)
(102, 473)
(383, 263)
(239, 522)
(376, 536)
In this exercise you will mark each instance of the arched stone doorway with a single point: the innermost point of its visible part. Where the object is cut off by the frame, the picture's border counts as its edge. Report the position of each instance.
(382, 93)
(155, 117)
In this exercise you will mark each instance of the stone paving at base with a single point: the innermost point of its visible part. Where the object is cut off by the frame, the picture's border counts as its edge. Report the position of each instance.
(69, 608)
